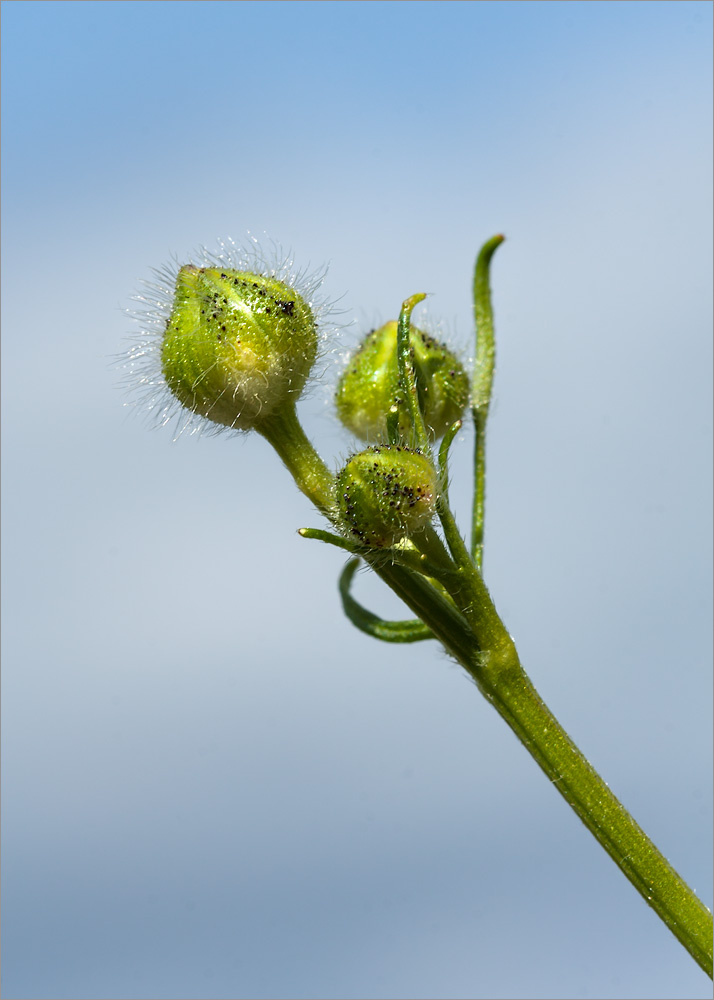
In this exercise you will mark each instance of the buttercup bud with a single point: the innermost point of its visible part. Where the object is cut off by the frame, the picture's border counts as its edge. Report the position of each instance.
(386, 493)
(369, 386)
(237, 345)
(227, 340)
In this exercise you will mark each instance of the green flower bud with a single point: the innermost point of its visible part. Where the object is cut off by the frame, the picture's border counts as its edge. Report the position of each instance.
(226, 341)
(386, 493)
(370, 385)
(237, 346)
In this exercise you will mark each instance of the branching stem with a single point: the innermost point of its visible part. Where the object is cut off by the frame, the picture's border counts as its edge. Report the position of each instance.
(443, 586)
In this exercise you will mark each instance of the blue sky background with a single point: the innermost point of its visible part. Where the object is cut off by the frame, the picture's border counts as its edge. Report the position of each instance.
(214, 786)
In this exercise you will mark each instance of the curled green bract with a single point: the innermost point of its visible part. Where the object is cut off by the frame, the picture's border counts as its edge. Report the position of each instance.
(370, 385)
(237, 345)
(385, 494)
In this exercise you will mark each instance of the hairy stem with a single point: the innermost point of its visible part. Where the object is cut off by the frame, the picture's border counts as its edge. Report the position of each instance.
(285, 433)
(484, 367)
(489, 655)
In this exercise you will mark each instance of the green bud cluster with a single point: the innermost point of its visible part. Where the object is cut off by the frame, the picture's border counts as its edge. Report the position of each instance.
(386, 493)
(369, 387)
(238, 346)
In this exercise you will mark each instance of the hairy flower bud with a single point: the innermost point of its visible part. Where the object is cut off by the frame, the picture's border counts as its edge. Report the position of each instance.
(237, 346)
(386, 493)
(370, 385)
(227, 340)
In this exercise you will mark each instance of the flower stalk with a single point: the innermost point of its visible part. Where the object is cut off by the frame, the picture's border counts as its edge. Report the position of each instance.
(238, 348)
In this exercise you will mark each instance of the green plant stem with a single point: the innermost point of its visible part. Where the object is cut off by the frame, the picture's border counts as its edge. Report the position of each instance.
(492, 661)
(480, 419)
(471, 630)
(482, 385)
(517, 701)
(284, 432)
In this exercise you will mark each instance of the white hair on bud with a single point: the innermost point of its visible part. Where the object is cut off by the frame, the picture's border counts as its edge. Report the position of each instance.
(143, 378)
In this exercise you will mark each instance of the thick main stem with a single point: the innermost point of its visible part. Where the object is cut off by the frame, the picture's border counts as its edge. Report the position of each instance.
(471, 630)
(518, 702)
(501, 678)
(493, 663)
(515, 698)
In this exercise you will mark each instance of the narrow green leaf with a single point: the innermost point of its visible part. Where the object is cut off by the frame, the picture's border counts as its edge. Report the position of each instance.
(410, 630)
(482, 386)
(327, 536)
(407, 375)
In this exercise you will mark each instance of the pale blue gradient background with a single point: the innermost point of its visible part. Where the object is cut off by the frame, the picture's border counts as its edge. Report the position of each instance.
(213, 785)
